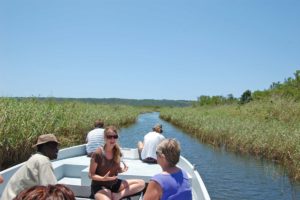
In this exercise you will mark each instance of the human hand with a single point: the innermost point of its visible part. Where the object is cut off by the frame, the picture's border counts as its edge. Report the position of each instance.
(109, 178)
(125, 168)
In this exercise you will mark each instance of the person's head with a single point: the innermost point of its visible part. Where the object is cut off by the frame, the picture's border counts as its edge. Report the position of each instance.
(111, 134)
(47, 144)
(53, 192)
(98, 123)
(170, 149)
(158, 128)
(111, 141)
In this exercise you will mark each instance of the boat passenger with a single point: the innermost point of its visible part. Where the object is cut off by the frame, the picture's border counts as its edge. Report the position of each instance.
(1, 179)
(40, 192)
(37, 170)
(104, 168)
(172, 183)
(147, 148)
(95, 138)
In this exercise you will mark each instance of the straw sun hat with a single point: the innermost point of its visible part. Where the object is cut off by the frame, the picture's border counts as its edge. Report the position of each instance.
(42, 139)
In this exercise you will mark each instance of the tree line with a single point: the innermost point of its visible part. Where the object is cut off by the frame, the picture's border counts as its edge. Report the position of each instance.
(119, 101)
(290, 89)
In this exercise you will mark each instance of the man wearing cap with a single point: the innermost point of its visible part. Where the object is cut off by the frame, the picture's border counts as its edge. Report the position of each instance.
(37, 170)
(147, 149)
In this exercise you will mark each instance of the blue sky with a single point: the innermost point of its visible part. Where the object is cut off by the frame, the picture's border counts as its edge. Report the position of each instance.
(146, 49)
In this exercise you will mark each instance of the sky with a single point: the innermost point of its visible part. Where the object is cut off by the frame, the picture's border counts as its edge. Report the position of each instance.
(146, 49)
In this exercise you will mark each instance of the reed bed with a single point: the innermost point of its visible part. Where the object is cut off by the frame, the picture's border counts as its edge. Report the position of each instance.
(22, 121)
(270, 129)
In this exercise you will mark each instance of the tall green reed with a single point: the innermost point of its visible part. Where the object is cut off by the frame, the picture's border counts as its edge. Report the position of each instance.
(270, 129)
(22, 121)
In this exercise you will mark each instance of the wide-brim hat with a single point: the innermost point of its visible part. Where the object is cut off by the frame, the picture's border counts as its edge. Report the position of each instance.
(42, 139)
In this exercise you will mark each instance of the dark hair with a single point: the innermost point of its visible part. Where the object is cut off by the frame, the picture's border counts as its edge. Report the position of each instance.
(157, 129)
(98, 123)
(40, 192)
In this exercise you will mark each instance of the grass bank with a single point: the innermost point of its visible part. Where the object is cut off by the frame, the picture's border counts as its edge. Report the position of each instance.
(270, 129)
(21, 121)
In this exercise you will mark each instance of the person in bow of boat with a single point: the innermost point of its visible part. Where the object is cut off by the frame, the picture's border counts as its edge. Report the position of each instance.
(37, 170)
(104, 168)
(172, 183)
(95, 138)
(147, 148)
(41, 192)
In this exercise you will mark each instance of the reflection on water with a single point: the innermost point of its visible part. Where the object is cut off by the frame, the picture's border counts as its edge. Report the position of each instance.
(226, 175)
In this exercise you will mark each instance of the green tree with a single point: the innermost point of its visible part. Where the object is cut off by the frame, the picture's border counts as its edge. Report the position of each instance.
(246, 97)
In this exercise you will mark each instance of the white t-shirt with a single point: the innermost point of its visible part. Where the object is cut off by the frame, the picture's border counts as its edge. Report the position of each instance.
(37, 170)
(94, 139)
(151, 140)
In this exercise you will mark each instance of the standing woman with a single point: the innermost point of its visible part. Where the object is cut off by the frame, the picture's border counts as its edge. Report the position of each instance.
(104, 169)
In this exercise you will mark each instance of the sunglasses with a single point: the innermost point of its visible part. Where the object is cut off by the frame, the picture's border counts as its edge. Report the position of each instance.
(112, 136)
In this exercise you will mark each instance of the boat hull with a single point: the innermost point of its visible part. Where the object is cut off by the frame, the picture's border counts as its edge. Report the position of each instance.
(72, 166)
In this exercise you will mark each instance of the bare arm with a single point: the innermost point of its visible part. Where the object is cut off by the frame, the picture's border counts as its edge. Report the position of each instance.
(153, 192)
(124, 169)
(1, 179)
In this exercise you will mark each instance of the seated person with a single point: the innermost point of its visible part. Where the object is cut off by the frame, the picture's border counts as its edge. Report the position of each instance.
(104, 168)
(172, 183)
(37, 170)
(40, 192)
(148, 147)
(95, 138)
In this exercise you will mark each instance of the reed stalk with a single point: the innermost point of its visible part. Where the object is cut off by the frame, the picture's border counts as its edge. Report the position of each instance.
(269, 129)
(22, 121)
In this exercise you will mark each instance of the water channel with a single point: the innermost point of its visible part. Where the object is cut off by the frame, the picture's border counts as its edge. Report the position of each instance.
(227, 176)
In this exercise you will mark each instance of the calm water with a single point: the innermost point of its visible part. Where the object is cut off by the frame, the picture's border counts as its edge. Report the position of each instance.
(225, 174)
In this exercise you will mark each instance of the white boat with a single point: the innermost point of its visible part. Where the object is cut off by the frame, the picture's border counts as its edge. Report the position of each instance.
(72, 166)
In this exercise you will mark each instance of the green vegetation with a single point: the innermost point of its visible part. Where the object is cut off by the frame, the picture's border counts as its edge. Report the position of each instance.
(215, 100)
(263, 123)
(270, 130)
(22, 120)
(129, 102)
(289, 89)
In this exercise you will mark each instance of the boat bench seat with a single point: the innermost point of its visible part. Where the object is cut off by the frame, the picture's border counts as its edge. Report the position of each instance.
(74, 171)
(72, 167)
(78, 167)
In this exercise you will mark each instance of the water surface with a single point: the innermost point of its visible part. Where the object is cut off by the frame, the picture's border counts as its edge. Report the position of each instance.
(227, 175)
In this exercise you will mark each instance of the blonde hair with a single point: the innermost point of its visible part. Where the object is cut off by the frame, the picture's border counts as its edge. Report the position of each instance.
(116, 150)
(170, 148)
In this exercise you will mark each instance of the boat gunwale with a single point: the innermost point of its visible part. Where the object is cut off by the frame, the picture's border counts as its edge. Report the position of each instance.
(79, 150)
